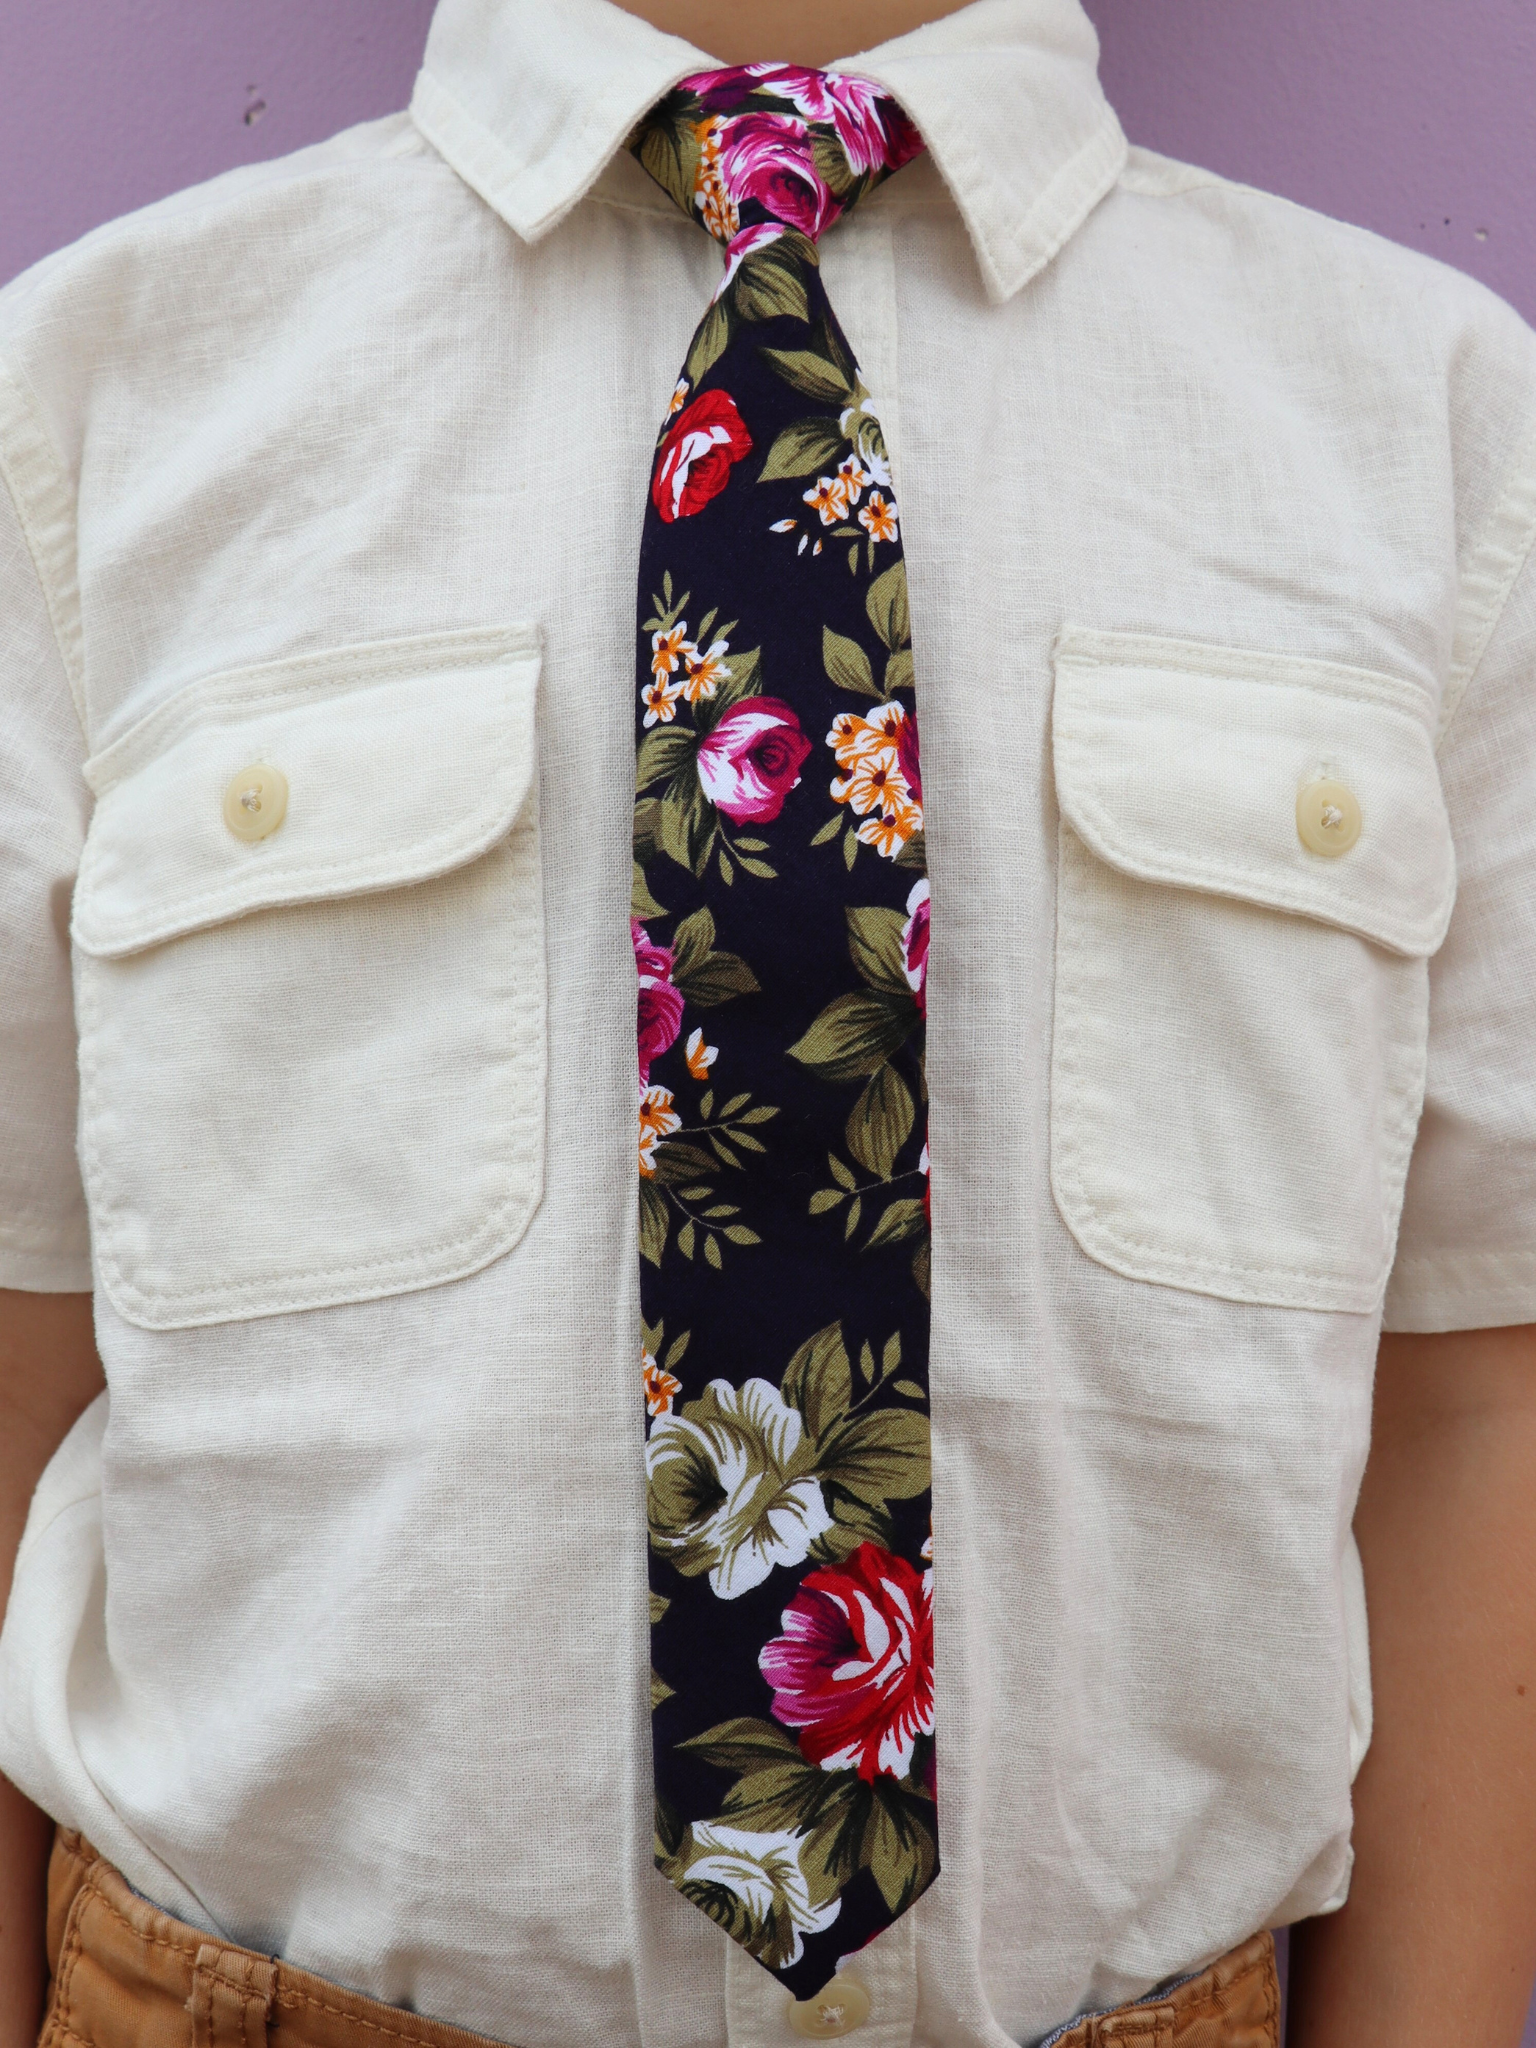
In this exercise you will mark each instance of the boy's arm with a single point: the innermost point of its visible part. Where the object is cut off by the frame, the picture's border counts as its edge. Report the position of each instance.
(49, 1373)
(1438, 1940)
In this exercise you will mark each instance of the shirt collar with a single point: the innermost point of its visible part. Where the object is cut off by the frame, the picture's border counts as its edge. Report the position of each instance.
(528, 100)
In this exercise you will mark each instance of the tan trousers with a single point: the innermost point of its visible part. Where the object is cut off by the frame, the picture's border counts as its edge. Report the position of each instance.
(128, 1976)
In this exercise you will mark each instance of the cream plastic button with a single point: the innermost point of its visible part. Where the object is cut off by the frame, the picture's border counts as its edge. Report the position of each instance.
(1327, 818)
(836, 2010)
(256, 802)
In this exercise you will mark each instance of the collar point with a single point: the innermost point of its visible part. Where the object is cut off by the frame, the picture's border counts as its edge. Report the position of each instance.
(1010, 253)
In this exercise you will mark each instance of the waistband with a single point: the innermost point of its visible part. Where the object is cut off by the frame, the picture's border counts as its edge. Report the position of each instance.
(126, 1975)
(1233, 2004)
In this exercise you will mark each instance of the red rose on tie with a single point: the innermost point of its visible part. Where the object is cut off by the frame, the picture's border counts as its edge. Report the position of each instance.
(703, 443)
(853, 1670)
(751, 759)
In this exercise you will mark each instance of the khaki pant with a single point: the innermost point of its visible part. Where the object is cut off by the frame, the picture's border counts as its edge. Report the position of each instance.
(126, 1975)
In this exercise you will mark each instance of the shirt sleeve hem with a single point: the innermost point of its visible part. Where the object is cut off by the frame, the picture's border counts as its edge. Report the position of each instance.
(32, 1272)
(1461, 1291)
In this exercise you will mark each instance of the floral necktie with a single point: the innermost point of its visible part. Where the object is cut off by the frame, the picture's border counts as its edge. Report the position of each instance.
(780, 926)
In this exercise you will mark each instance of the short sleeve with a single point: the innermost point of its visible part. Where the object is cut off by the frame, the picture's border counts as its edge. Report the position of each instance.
(1467, 1249)
(44, 1242)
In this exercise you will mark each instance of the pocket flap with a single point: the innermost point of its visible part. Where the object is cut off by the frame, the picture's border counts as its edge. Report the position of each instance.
(403, 759)
(1182, 764)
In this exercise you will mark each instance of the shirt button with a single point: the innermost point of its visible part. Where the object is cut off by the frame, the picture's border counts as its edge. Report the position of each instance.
(836, 2010)
(1327, 818)
(256, 802)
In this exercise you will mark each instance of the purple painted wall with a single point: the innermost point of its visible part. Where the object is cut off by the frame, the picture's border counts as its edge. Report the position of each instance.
(1412, 117)
(106, 105)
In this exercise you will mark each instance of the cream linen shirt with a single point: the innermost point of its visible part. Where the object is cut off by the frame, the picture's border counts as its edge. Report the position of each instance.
(330, 1624)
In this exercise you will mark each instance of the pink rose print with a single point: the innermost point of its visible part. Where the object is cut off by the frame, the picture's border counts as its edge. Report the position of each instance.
(902, 140)
(752, 759)
(853, 1670)
(908, 756)
(854, 112)
(702, 446)
(721, 90)
(661, 1005)
(850, 104)
(764, 157)
(914, 944)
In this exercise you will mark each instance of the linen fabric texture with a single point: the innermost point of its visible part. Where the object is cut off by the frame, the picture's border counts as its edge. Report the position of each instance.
(329, 1627)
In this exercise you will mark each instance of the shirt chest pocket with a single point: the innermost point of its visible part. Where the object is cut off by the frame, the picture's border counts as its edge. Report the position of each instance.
(1255, 864)
(310, 982)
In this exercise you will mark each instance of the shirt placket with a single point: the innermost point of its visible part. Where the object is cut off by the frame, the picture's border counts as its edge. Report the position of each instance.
(858, 260)
(758, 2011)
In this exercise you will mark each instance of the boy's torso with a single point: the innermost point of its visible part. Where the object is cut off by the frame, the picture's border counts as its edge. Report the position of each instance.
(1181, 527)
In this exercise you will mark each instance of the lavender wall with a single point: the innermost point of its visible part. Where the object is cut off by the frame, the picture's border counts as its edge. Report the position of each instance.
(1413, 117)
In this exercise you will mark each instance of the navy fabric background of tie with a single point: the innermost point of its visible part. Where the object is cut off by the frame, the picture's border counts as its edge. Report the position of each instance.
(781, 930)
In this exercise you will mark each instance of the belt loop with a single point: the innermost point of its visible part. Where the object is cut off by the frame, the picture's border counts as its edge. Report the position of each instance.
(232, 1997)
(1139, 2026)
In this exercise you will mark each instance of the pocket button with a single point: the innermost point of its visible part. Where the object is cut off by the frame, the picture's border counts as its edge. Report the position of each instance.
(1327, 818)
(836, 2010)
(256, 802)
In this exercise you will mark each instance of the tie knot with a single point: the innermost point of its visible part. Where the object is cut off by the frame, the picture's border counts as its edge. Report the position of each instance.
(773, 145)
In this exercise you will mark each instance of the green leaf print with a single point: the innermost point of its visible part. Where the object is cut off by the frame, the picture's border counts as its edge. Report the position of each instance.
(767, 288)
(663, 754)
(875, 947)
(921, 1266)
(709, 344)
(855, 1034)
(886, 603)
(803, 449)
(879, 1124)
(661, 152)
(642, 904)
(685, 823)
(815, 375)
(853, 1522)
(847, 664)
(899, 1223)
(818, 1380)
(831, 164)
(653, 1223)
(742, 1746)
(716, 980)
(898, 1848)
(878, 1457)
(647, 816)
(692, 942)
(670, 1834)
